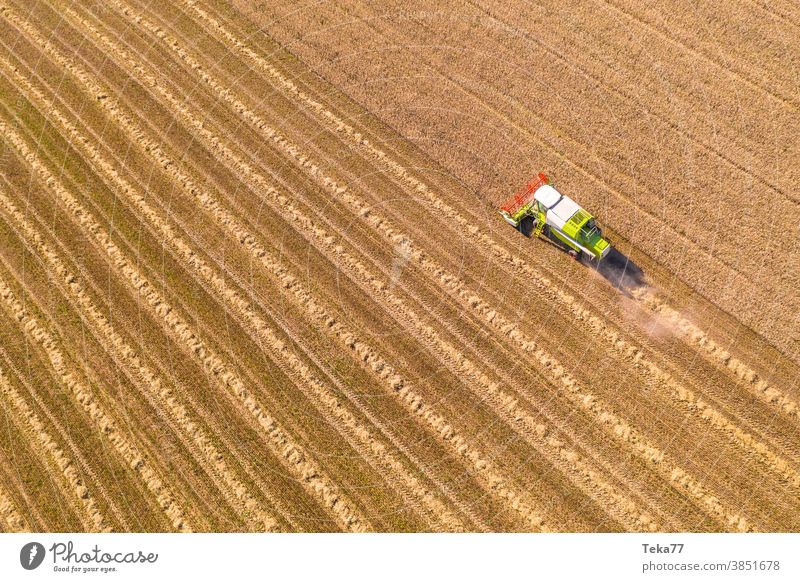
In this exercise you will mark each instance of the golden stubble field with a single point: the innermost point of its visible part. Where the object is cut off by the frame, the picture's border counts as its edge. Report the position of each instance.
(254, 281)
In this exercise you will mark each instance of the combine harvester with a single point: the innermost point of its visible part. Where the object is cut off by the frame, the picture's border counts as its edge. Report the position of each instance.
(558, 217)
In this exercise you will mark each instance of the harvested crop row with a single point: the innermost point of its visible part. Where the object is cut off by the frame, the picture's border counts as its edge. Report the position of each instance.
(159, 440)
(83, 395)
(92, 518)
(243, 236)
(114, 391)
(299, 321)
(446, 214)
(306, 380)
(139, 373)
(288, 451)
(619, 427)
(611, 497)
(291, 453)
(10, 518)
(168, 400)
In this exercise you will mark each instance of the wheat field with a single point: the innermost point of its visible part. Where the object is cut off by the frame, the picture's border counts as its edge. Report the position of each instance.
(252, 277)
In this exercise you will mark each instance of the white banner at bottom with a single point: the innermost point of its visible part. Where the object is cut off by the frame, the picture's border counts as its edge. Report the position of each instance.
(380, 557)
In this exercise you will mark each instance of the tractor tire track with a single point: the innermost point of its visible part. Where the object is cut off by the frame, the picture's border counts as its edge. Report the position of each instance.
(286, 449)
(229, 298)
(160, 396)
(245, 238)
(72, 482)
(625, 350)
(253, 119)
(89, 403)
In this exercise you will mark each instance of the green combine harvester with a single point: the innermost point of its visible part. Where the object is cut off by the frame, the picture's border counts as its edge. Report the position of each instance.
(557, 216)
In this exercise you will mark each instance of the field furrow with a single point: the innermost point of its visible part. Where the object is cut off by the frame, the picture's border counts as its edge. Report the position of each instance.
(102, 420)
(271, 341)
(252, 275)
(297, 460)
(11, 519)
(715, 281)
(91, 517)
(139, 373)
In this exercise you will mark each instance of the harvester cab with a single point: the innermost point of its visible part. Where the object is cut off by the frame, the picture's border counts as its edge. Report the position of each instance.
(558, 216)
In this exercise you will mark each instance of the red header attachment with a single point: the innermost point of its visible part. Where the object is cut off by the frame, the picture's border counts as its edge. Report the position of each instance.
(525, 194)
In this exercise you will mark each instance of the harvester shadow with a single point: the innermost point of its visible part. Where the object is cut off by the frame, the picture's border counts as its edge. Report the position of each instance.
(619, 270)
(616, 267)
